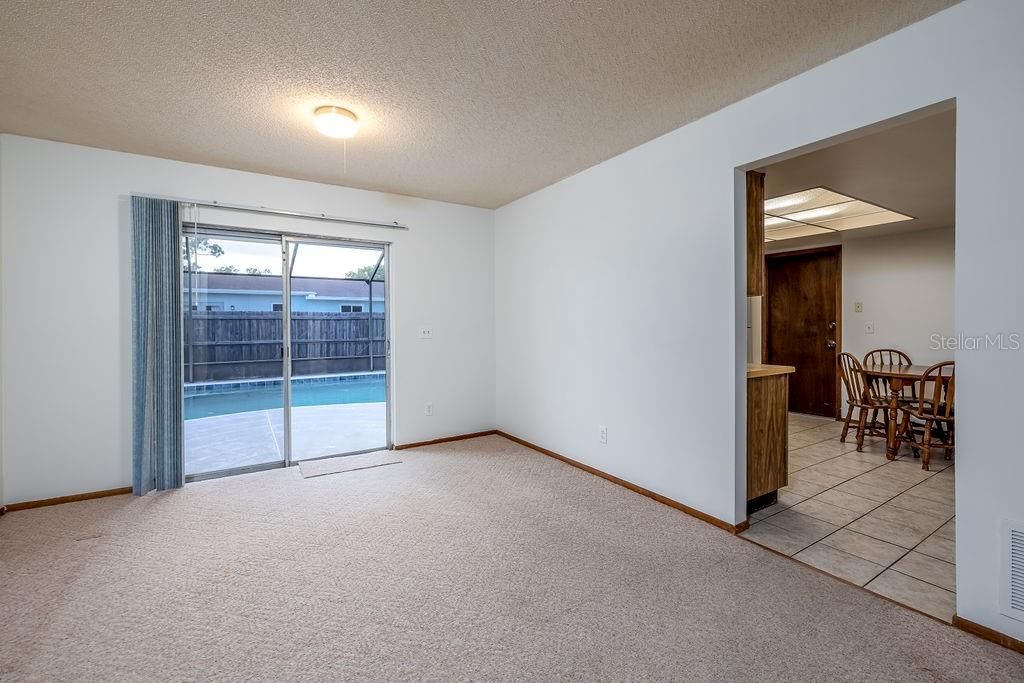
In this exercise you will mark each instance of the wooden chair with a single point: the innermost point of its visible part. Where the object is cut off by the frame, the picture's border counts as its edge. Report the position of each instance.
(880, 386)
(930, 422)
(887, 357)
(859, 394)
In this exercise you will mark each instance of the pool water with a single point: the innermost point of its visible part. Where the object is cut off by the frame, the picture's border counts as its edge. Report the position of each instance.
(362, 390)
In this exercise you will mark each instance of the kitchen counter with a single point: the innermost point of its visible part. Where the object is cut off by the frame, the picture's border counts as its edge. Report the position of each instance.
(759, 370)
(767, 427)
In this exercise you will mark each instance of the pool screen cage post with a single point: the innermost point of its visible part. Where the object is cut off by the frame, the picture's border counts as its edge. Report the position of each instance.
(369, 326)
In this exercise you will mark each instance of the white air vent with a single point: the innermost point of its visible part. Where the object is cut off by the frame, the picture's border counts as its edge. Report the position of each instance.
(1012, 594)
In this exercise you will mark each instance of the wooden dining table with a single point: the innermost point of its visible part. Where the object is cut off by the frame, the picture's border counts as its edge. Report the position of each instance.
(896, 377)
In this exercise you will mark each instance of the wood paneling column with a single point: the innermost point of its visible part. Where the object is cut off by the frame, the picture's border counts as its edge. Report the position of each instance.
(755, 233)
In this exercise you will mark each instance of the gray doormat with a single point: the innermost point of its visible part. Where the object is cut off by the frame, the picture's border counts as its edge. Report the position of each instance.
(346, 463)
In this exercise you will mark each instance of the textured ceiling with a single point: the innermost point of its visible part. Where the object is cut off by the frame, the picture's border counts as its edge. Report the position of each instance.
(461, 100)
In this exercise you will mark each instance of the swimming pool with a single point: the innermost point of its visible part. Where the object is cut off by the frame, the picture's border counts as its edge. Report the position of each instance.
(243, 397)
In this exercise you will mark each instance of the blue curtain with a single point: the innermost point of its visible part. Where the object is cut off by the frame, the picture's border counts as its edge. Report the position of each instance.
(157, 461)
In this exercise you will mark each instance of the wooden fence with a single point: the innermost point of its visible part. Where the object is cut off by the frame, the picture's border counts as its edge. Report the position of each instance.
(231, 345)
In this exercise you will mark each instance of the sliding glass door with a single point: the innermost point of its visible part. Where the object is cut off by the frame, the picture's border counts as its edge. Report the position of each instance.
(338, 342)
(260, 393)
(233, 353)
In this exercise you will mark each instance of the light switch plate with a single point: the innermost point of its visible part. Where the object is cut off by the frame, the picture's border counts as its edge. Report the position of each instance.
(858, 307)
(869, 328)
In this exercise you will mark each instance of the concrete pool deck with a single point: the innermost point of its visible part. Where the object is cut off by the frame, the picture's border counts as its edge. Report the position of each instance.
(256, 437)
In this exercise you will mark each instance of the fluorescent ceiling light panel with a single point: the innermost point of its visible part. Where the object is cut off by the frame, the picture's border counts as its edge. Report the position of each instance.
(801, 201)
(818, 211)
(774, 222)
(821, 212)
(867, 220)
(797, 231)
(783, 223)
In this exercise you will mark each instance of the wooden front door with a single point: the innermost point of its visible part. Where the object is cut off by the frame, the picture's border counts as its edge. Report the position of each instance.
(802, 326)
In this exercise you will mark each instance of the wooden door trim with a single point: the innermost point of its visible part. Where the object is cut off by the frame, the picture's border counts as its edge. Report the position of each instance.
(836, 249)
(755, 233)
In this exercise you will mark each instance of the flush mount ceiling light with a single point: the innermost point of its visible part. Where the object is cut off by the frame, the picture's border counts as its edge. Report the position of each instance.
(819, 211)
(335, 122)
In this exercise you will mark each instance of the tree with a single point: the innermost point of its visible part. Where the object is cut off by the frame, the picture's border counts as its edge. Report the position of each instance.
(253, 270)
(226, 269)
(363, 273)
(193, 247)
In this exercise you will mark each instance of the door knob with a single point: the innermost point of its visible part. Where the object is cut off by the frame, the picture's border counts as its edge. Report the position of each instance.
(831, 343)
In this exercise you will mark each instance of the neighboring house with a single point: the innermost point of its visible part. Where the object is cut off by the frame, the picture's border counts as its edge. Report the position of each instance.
(242, 292)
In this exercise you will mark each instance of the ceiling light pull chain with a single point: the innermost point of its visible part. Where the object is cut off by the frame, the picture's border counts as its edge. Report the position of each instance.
(344, 157)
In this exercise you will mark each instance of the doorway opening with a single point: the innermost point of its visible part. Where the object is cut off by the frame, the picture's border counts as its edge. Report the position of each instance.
(285, 349)
(851, 243)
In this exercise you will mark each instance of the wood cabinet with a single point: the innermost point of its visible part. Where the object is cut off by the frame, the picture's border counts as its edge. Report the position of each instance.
(767, 428)
(755, 233)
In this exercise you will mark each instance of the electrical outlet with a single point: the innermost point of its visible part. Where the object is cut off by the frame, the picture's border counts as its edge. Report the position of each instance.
(858, 307)
(426, 332)
(869, 328)
(603, 434)
(428, 409)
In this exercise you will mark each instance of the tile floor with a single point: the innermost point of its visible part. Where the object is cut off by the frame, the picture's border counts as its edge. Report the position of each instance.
(887, 526)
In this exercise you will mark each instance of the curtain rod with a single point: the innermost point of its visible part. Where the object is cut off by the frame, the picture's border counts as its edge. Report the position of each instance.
(394, 225)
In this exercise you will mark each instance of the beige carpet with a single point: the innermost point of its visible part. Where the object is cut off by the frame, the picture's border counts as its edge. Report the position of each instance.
(473, 560)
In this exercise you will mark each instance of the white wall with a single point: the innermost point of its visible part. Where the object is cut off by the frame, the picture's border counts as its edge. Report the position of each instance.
(905, 282)
(906, 285)
(66, 307)
(651, 236)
